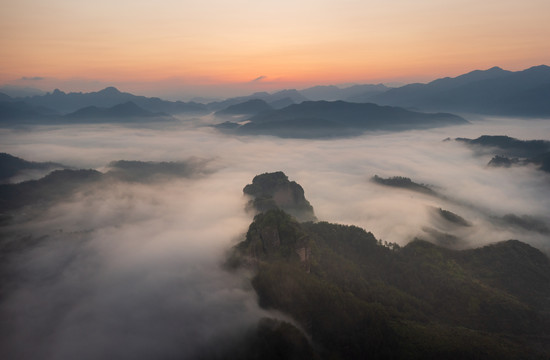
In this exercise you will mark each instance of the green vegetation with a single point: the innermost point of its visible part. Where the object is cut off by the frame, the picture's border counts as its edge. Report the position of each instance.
(452, 217)
(358, 298)
(404, 183)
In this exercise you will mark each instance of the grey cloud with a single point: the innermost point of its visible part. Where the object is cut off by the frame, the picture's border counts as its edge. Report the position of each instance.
(259, 78)
(32, 78)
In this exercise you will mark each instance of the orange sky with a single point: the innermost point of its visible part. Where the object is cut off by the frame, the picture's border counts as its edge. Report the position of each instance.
(214, 46)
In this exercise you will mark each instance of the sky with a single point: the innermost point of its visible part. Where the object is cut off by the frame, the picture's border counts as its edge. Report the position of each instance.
(182, 48)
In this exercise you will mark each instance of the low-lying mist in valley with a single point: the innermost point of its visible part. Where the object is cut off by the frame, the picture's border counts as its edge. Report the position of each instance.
(129, 271)
(133, 270)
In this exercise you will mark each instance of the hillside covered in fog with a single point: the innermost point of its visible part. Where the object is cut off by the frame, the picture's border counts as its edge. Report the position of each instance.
(341, 291)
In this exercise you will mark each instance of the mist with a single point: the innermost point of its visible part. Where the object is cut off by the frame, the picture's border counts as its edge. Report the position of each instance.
(133, 270)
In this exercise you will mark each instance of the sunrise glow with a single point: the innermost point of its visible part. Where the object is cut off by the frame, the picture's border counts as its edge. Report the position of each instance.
(181, 45)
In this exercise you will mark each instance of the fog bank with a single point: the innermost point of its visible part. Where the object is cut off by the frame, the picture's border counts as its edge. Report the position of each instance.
(133, 270)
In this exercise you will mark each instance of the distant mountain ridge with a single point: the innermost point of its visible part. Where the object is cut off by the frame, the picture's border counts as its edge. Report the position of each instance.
(277, 99)
(121, 111)
(109, 97)
(493, 91)
(355, 93)
(313, 119)
(249, 107)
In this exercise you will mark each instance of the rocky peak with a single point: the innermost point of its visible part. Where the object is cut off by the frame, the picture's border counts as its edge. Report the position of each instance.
(275, 191)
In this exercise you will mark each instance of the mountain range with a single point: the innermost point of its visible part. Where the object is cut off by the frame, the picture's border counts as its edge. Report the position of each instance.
(127, 110)
(323, 119)
(491, 92)
(249, 107)
(69, 102)
(354, 93)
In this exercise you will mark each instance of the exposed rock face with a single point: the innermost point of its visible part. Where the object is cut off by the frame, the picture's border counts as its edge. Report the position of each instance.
(275, 234)
(349, 293)
(275, 191)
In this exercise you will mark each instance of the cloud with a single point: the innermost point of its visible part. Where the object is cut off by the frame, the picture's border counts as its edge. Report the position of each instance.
(133, 268)
(259, 78)
(32, 78)
(129, 271)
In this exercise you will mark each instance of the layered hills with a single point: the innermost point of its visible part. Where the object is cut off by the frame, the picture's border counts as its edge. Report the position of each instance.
(128, 111)
(12, 166)
(249, 107)
(313, 119)
(60, 182)
(493, 91)
(106, 98)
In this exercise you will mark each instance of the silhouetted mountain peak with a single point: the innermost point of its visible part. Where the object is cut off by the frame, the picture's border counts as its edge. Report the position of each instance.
(539, 67)
(472, 76)
(538, 72)
(110, 91)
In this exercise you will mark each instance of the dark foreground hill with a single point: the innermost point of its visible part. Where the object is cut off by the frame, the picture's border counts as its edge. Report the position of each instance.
(314, 119)
(357, 298)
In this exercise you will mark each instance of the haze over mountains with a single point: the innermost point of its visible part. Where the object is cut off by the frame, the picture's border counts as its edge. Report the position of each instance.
(494, 91)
